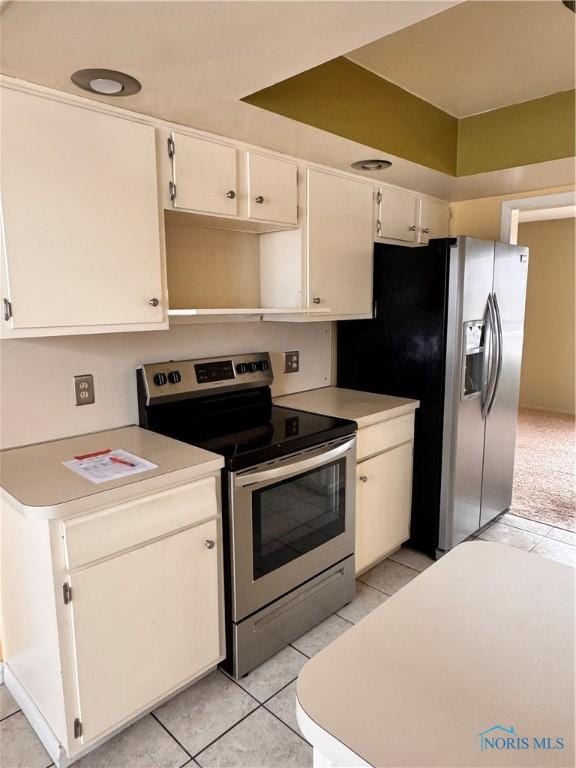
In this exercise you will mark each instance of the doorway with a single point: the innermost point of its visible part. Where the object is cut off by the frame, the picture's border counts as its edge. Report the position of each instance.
(544, 473)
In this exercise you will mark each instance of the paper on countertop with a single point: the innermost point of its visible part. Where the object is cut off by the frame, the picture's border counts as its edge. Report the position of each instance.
(106, 465)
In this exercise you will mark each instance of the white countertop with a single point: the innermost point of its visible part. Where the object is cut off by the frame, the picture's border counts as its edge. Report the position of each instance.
(365, 408)
(34, 479)
(482, 638)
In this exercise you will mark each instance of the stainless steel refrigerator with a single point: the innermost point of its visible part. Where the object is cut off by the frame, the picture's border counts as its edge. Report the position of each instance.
(447, 330)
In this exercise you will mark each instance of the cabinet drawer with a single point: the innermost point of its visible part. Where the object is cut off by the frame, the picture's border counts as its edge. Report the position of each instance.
(387, 434)
(101, 534)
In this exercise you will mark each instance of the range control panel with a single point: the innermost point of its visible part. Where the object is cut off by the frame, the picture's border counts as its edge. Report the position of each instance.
(180, 379)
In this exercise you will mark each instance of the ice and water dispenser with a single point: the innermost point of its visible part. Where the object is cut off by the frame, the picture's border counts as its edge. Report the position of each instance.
(473, 362)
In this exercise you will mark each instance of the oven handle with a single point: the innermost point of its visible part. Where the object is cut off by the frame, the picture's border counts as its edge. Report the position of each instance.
(294, 467)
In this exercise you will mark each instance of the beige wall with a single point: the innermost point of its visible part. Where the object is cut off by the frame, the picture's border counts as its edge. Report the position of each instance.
(548, 359)
(37, 394)
(481, 217)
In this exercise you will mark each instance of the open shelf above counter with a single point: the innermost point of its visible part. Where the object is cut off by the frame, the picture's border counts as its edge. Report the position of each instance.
(173, 313)
(219, 274)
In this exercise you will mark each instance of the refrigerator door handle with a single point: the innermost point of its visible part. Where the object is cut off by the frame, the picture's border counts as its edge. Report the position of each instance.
(500, 342)
(490, 344)
(486, 359)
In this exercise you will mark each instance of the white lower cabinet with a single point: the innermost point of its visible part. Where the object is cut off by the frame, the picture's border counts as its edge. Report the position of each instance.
(383, 496)
(101, 625)
(144, 623)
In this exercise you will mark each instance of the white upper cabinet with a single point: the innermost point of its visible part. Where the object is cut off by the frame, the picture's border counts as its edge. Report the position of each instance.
(272, 189)
(340, 244)
(397, 217)
(204, 175)
(81, 220)
(434, 219)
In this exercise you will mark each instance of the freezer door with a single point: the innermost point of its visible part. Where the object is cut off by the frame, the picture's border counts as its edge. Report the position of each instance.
(509, 293)
(463, 476)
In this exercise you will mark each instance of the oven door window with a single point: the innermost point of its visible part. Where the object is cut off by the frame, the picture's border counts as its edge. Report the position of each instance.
(293, 517)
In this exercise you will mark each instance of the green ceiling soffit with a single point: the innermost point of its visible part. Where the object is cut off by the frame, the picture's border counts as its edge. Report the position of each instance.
(348, 100)
(345, 99)
(530, 132)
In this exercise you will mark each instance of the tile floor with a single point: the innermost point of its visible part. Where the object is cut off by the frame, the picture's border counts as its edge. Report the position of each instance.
(251, 723)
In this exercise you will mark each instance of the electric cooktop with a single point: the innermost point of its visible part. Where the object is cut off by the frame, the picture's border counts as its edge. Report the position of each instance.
(225, 405)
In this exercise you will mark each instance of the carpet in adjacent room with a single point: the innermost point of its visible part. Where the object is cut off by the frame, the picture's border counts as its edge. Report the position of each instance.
(545, 471)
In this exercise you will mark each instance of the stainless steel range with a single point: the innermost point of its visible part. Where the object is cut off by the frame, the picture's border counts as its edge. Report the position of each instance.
(288, 495)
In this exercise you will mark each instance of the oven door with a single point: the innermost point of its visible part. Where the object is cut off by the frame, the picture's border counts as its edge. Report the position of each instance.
(290, 520)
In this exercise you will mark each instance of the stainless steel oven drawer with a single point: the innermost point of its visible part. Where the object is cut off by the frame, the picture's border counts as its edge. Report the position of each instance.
(271, 629)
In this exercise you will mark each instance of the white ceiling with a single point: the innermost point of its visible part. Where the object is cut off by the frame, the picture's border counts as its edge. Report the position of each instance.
(197, 59)
(480, 56)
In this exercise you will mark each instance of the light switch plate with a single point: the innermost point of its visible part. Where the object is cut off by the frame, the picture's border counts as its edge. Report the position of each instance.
(84, 389)
(291, 362)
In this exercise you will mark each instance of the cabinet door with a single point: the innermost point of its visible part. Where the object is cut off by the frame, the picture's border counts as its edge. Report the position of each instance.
(398, 215)
(383, 502)
(81, 216)
(144, 623)
(272, 189)
(434, 219)
(206, 176)
(340, 244)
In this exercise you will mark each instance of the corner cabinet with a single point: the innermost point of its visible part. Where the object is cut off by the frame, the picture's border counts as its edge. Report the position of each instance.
(339, 244)
(82, 241)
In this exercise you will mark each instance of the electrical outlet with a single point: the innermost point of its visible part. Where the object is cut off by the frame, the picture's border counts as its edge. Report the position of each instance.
(291, 362)
(84, 389)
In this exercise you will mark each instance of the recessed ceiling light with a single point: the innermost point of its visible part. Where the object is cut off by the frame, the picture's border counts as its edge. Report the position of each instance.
(106, 82)
(371, 165)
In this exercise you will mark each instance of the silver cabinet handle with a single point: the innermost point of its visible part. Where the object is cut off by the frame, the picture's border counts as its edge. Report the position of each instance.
(230, 194)
(316, 300)
(259, 199)
(209, 544)
(154, 302)
(363, 478)
(412, 228)
(426, 230)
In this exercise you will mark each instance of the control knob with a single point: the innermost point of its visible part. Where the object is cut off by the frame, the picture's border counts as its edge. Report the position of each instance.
(174, 377)
(252, 367)
(160, 379)
(263, 365)
(241, 368)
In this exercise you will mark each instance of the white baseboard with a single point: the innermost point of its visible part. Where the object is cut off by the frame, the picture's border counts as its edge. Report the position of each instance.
(47, 735)
(542, 409)
(34, 717)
